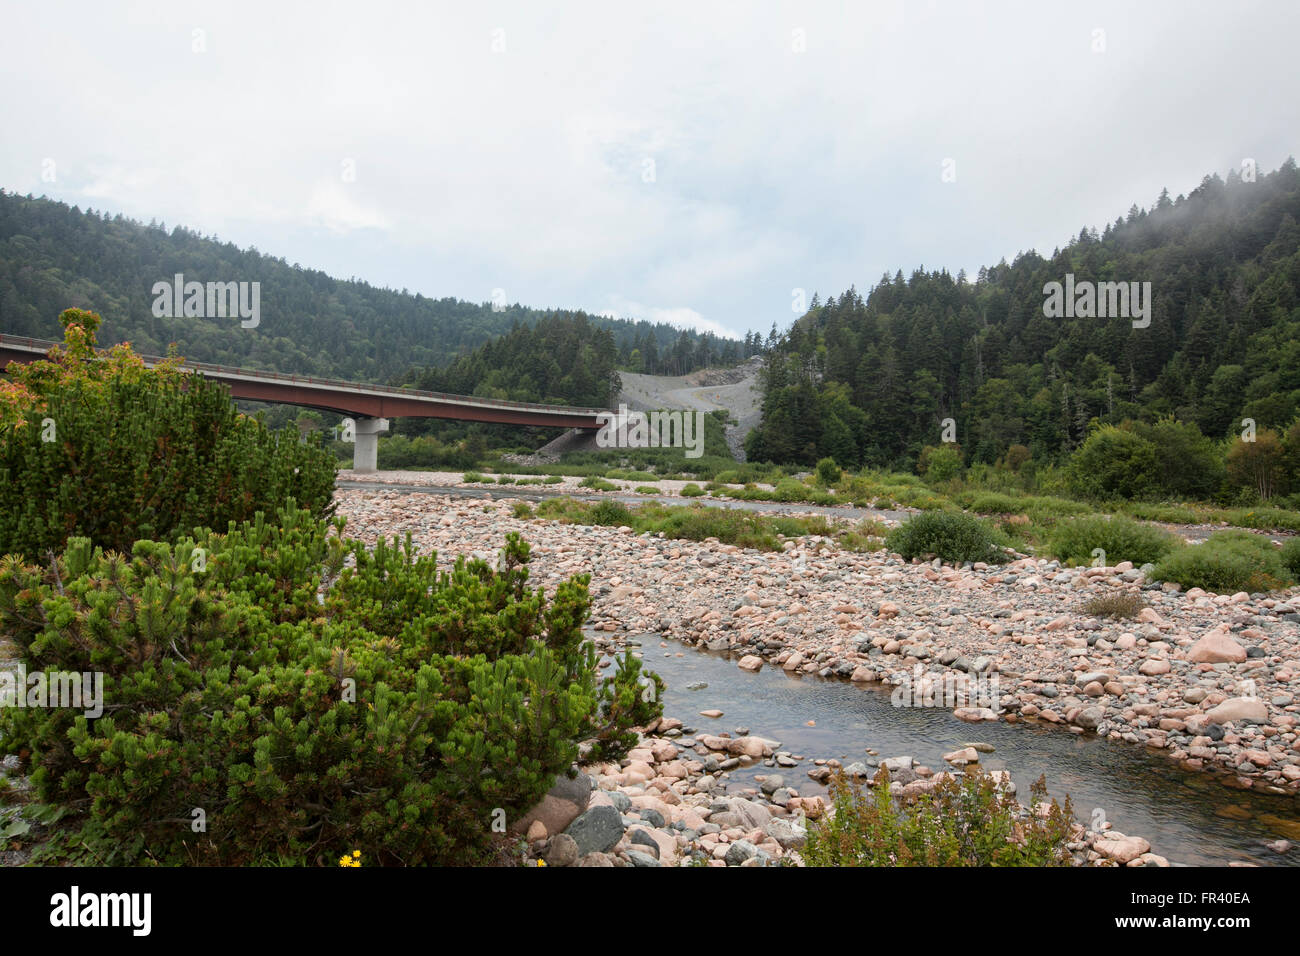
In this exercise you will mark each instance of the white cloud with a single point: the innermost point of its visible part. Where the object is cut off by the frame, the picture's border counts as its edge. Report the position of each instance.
(525, 169)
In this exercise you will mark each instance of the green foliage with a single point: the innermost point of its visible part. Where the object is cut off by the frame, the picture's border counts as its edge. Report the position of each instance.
(940, 463)
(952, 536)
(598, 484)
(1227, 562)
(474, 478)
(647, 490)
(308, 694)
(694, 523)
(875, 375)
(691, 490)
(1122, 539)
(791, 489)
(1291, 556)
(1114, 463)
(968, 821)
(114, 452)
(828, 472)
(52, 254)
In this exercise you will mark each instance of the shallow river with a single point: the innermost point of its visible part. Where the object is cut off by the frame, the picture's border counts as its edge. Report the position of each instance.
(1189, 818)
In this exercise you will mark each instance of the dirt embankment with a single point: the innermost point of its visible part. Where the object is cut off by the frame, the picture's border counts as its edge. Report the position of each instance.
(734, 389)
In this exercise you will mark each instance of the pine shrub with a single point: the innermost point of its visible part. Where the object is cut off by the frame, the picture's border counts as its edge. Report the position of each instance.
(105, 449)
(304, 694)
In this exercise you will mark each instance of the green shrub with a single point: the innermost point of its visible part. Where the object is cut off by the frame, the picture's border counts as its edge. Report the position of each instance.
(1122, 539)
(1290, 556)
(1227, 562)
(791, 489)
(610, 513)
(473, 477)
(552, 480)
(691, 490)
(108, 450)
(940, 463)
(967, 821)
(952, 536)
(1114, 463)
(647, 490)
(597, 483)
(828, 472)
(522, 510)
(307, 707)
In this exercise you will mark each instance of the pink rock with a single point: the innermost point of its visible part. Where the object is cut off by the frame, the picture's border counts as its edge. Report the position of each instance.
(1216, 647)
(750, 662)
(1154, 667)
(1121, 848)
(1239, 709)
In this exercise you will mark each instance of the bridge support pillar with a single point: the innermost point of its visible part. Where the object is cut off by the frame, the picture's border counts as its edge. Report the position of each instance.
(365, 456)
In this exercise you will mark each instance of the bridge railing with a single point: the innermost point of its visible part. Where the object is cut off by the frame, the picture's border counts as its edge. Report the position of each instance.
(45, 345)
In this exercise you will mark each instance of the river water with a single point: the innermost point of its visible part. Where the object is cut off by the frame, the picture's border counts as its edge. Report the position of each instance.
(1189, 818)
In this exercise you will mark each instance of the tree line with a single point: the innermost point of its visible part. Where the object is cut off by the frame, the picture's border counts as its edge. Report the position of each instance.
(872, 381)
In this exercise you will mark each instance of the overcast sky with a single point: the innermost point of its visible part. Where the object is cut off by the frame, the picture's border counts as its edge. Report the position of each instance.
(688, 162)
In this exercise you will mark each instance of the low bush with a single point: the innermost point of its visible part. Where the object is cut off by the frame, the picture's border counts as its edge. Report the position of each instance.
(966, 821)
(1120, 539)
(597, 483)
(1227, 562)
(106, 449)
(647, 490)
(1118, 605)
(691, 490)
(1290, 556)
(791, 489)
(828, 472)
(952, 536)
(308, 695)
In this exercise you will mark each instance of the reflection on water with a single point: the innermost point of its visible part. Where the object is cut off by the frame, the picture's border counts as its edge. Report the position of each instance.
(1189, 818)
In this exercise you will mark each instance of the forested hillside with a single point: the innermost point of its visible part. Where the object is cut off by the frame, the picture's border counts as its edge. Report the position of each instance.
(54, 257)
(869, 380)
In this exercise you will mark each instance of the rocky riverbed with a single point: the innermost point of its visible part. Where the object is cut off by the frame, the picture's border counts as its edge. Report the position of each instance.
(1208, 680)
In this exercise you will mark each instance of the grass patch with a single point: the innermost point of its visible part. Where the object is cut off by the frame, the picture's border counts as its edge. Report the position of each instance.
(597, 483)
(691, 490)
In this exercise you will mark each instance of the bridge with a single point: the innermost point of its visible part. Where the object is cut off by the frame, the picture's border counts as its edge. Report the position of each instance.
(369, 405)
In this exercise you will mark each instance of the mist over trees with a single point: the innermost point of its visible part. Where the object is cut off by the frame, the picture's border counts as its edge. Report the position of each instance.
(869, 380)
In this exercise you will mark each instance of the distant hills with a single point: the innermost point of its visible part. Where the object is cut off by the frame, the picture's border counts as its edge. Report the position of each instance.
(54, 256)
